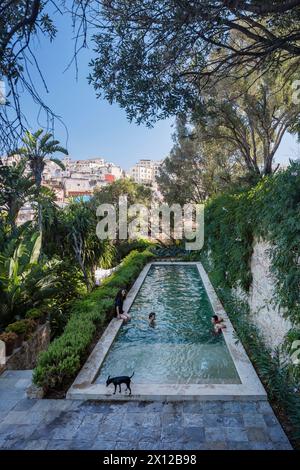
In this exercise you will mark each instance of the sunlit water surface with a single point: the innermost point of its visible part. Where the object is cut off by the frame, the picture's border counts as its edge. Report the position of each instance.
(181, 348)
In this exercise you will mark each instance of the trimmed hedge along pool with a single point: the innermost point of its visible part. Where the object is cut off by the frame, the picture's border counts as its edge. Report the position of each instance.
(181, 348)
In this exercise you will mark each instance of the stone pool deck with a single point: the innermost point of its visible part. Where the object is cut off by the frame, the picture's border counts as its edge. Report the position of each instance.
(73, 424)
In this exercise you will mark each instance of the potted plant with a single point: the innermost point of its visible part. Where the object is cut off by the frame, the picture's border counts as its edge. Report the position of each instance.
(19, 328)
(9, 339)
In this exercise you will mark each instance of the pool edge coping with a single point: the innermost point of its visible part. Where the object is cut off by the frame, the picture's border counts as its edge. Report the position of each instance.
(84, 388)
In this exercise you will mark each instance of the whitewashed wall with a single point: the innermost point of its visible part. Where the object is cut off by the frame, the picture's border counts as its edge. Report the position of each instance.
(265, 313)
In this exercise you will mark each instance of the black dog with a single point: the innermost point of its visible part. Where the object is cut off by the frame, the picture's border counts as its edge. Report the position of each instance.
(124, 379)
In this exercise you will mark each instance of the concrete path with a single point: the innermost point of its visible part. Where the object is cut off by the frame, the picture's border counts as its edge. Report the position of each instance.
(66, 424)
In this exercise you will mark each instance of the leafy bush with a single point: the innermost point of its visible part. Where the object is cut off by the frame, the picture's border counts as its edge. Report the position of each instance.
(60, 363)
(123, 248)
(34, 314)
(18, 327)
(229, 238)
(31, 326)
(8, 337)
(27, 278)
(22, 327)
(169, 251)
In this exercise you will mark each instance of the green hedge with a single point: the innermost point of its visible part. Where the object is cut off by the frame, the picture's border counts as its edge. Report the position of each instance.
(64, 357)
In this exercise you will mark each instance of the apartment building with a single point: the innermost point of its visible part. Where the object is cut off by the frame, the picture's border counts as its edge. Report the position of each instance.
(145, 172)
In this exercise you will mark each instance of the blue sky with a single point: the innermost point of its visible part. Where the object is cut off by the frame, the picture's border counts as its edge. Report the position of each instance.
(95, 128)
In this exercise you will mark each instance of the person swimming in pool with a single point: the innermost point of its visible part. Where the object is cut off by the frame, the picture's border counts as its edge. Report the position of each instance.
(152, 318)
(119, 300)
(218, 324)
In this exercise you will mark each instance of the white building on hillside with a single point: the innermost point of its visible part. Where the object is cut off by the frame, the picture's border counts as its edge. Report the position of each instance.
(145, 172)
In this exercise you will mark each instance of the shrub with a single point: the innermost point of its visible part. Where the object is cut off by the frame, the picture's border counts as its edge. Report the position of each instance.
(60, 363)
(18, 327)
(8, 337)
(125, 247)
(30, 327)
(34, 314)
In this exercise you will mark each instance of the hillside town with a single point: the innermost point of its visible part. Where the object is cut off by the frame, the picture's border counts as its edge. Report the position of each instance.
(80, 178)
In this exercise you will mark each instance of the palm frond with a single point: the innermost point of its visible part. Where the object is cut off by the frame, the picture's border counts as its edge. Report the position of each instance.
(55, 148)
(58, 162)
(45, 138)
(36, 250)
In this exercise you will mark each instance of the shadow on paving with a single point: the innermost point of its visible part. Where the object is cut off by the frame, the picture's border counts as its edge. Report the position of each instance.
(66, 424)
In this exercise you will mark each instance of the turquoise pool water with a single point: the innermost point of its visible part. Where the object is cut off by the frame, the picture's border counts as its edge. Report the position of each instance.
(181, 348)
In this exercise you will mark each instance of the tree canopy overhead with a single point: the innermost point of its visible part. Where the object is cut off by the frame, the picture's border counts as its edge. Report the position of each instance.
(154, 56)
(20, 22)
(197, 168)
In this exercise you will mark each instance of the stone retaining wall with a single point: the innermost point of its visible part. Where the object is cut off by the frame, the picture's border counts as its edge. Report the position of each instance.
(25, 357)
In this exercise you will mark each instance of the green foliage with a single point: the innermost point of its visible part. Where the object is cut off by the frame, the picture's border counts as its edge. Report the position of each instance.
(16, 188)
(292, 346)
(277, 218)
(74, 239)
(59, 364)
(154, 57)
(22, 327)
(34, 314)
(229, 238)
(69, 287)
(249, 117)
(168, 251)
(123, 248)
(18, 327)
(274, 371)
(26, 279)
(197, 167)
(136, 193)
(269, 210)
(36, 148)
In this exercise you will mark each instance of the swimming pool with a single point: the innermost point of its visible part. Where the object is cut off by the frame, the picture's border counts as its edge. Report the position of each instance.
(181, 348)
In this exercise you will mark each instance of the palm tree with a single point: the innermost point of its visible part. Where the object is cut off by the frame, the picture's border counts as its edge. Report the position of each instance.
(37, 148)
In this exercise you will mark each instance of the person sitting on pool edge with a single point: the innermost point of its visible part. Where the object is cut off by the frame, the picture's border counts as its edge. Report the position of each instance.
(218, 324)
(152, 319)
(119, 300)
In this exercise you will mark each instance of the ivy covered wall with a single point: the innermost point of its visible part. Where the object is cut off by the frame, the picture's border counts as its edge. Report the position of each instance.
(235, 223)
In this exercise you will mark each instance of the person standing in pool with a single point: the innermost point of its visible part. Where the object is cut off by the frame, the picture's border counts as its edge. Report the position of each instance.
(218, 324)
(152, 319)
(119, 301)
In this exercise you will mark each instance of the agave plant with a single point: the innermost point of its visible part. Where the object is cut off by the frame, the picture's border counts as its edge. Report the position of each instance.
(26, 279)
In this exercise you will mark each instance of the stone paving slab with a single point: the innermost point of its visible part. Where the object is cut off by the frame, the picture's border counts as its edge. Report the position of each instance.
(66, 424)
(107, 426)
